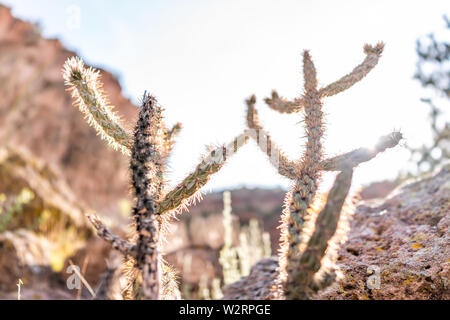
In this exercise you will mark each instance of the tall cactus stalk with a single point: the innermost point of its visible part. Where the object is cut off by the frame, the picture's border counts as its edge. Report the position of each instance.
(149, 149)
(147, 177)
(303, 250)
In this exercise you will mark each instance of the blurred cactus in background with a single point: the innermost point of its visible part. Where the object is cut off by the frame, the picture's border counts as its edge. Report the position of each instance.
(149, 149)
(306, 261)
(432, 68)
(433, 71)
(228, 257)
(203, 288)
(254, 245)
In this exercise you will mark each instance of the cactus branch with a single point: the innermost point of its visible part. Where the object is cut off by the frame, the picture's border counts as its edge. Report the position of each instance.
(85, 86)
(283, 105)
(326, 225)
(168, 140)
(356, 157)
(173, 133)
(170, 135)
(184, 192)
(373, 55)
(121, 245)
(264, 141)
(310, 77)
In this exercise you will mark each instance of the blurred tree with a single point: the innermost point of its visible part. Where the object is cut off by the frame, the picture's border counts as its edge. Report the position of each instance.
(433, 71)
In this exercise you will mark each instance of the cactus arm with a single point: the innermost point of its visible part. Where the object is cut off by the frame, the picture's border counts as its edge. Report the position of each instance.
(283, 105)
(373, 55)
(326, 225)
(264, 141)
(356, 157)
(109, 283)
(186, 191)
(170, 135)
(121, 245)
(85, 87)
(173, 133)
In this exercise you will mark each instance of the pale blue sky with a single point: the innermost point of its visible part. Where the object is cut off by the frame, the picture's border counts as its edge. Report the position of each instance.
(201, 59)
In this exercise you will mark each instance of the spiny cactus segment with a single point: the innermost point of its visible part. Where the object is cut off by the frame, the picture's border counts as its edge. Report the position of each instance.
(86, 88)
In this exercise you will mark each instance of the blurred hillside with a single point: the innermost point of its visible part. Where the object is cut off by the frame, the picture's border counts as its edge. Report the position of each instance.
(37, 113)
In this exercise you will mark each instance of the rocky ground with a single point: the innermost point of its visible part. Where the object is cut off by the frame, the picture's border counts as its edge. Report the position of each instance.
(403, 240)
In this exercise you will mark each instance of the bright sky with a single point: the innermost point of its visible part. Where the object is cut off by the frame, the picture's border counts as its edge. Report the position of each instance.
(201, 59)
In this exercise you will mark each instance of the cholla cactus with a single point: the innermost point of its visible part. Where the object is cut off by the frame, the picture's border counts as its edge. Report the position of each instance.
(304, 246)
(203, 288)
(228, 256)
(149, 148)
(254, 244)
(216, 290)
(433, 71)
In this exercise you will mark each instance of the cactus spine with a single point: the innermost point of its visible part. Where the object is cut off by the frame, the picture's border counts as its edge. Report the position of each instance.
(304, 246)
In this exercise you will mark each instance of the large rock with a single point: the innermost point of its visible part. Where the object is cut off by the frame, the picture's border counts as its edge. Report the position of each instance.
(403, 241)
